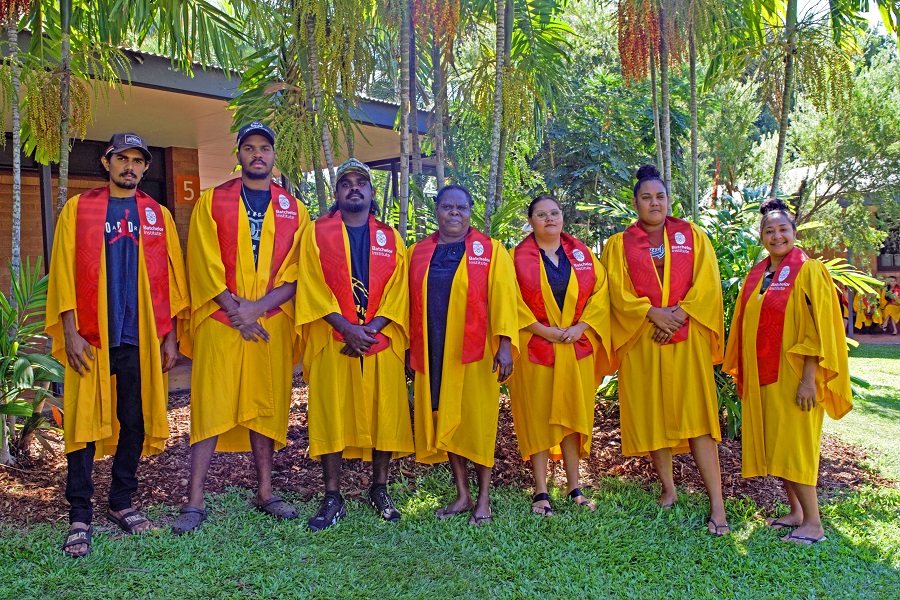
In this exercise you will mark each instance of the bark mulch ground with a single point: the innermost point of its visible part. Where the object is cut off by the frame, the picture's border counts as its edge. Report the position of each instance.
(33, 489)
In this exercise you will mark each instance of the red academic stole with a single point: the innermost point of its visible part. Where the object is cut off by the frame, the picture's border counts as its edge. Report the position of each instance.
(227, 208)
(771, 316)
(528, 273)
(90, 230)
(643, 271)
(478, 264)
(333, 257)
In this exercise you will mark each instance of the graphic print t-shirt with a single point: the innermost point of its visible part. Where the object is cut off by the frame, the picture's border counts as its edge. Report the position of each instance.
(359, 268)
(123, 227)
(256, 202)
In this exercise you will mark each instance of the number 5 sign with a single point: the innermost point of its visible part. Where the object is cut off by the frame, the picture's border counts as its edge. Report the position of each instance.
(187, 189)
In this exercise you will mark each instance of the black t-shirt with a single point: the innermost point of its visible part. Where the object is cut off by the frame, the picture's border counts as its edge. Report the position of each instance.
(442, 269)
(256, 202)
(359, 268)
(123, 230)
(558, 275)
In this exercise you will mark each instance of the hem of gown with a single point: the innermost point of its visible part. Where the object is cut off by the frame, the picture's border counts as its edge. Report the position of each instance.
(788, 474)
(280, 440)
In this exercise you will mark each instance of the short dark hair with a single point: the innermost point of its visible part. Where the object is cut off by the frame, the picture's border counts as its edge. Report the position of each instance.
(648, 173)
(775, 205)
(539, 198)
(449, 188)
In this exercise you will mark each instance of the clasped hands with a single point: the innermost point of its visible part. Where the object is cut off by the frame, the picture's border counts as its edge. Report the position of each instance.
(244, 316)
(557, 335)
(666, 322)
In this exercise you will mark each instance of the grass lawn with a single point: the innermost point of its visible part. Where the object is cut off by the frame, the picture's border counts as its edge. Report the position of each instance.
(874, 422)
(627, 549)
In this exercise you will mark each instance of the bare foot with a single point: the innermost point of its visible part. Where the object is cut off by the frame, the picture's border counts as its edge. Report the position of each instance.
(460, 505)
(787, 521)
(667, 500)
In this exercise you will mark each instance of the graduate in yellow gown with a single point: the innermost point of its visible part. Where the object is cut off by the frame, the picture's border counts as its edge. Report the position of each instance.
(116, 286)
(890, 304)
(351, 313)
(788, 355)
(242, 267)
(463, 340)
(565, 341)
(667, 333)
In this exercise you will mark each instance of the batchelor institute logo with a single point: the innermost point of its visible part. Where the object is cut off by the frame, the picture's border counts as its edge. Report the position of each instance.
(477, 248)
(151, 216)
(578, 254)
(679, 238)
(785, 272)
(283, 202)
(380, 238)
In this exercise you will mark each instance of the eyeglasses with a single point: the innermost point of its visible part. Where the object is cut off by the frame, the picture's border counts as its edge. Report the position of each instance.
(555, 214)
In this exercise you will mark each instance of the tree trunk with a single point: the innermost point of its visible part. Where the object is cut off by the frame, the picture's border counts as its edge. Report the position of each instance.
(416, 150)
(439, 90)
(790, 33)
(695, 153)
(509, 17)
(665, 126)
(66, 69)
(15, 260)
(321, 192)
(313, 59)
(404, 120)
(497, 117)
(653, 86)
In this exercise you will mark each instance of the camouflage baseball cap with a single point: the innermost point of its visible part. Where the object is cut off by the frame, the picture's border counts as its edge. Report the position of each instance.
(353, 166)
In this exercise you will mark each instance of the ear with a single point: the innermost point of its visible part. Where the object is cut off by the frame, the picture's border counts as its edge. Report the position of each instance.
(105, 162)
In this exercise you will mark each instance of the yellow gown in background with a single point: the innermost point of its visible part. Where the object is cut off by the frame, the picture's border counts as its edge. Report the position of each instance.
(237, 385)
(469, 405)
(667, 393)
(353, 410)
(780, 438)
(550, 403)
(89, 403)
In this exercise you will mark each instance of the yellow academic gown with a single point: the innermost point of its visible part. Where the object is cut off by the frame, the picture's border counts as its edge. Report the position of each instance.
(779, 438)
(89, 402)
(351, 409)
(469, 403)
(550, 403)
(667, 394)
(889, 310)
(236, 385)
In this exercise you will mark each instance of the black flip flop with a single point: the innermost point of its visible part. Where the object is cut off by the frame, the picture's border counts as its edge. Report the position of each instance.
(575, 494)
(718, 527)
(77, 537)
(544, 511)
(128, 521)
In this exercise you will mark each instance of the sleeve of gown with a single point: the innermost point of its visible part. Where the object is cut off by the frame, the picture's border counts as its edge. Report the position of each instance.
(61, 286)
(596, 314)
(395, 299)
(703, 302)
(730, 364)
(179, 296)
(821, 334)
(503, 298)
(206, 271)
(628, 314)
(526, 315)
(314, 298)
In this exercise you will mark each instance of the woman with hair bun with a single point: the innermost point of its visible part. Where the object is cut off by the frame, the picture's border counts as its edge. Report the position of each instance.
(565, 329)
(788, 356)
(667, 333)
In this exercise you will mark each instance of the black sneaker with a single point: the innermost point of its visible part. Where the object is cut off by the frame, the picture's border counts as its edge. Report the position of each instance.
(379, 499)
(331, 509)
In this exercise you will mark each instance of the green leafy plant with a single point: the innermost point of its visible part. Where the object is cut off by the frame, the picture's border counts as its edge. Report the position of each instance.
(26, 366)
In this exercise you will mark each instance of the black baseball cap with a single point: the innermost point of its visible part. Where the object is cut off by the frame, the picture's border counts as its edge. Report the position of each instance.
(120, 142)
(255, 128)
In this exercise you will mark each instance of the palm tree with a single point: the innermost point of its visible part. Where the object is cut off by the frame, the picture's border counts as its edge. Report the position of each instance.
(497, 118)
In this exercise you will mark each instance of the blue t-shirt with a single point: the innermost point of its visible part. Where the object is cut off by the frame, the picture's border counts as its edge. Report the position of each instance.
(257, 203)
(123, 229)
(359, 268)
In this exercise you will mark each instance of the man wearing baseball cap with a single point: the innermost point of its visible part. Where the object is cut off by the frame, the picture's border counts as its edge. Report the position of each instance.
(351, 314)
(117, 284)
(242, 267)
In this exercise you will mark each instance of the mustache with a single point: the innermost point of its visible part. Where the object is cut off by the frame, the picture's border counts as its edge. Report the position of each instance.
(355, 194)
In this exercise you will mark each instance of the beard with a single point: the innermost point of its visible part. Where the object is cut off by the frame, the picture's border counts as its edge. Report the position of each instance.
(126, 184)
(355, 204)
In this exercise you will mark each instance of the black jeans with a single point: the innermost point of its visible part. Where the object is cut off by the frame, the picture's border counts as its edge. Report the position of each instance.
(125, 364)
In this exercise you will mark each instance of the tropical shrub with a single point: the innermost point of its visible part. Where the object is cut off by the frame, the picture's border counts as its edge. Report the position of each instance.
(26, 366)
